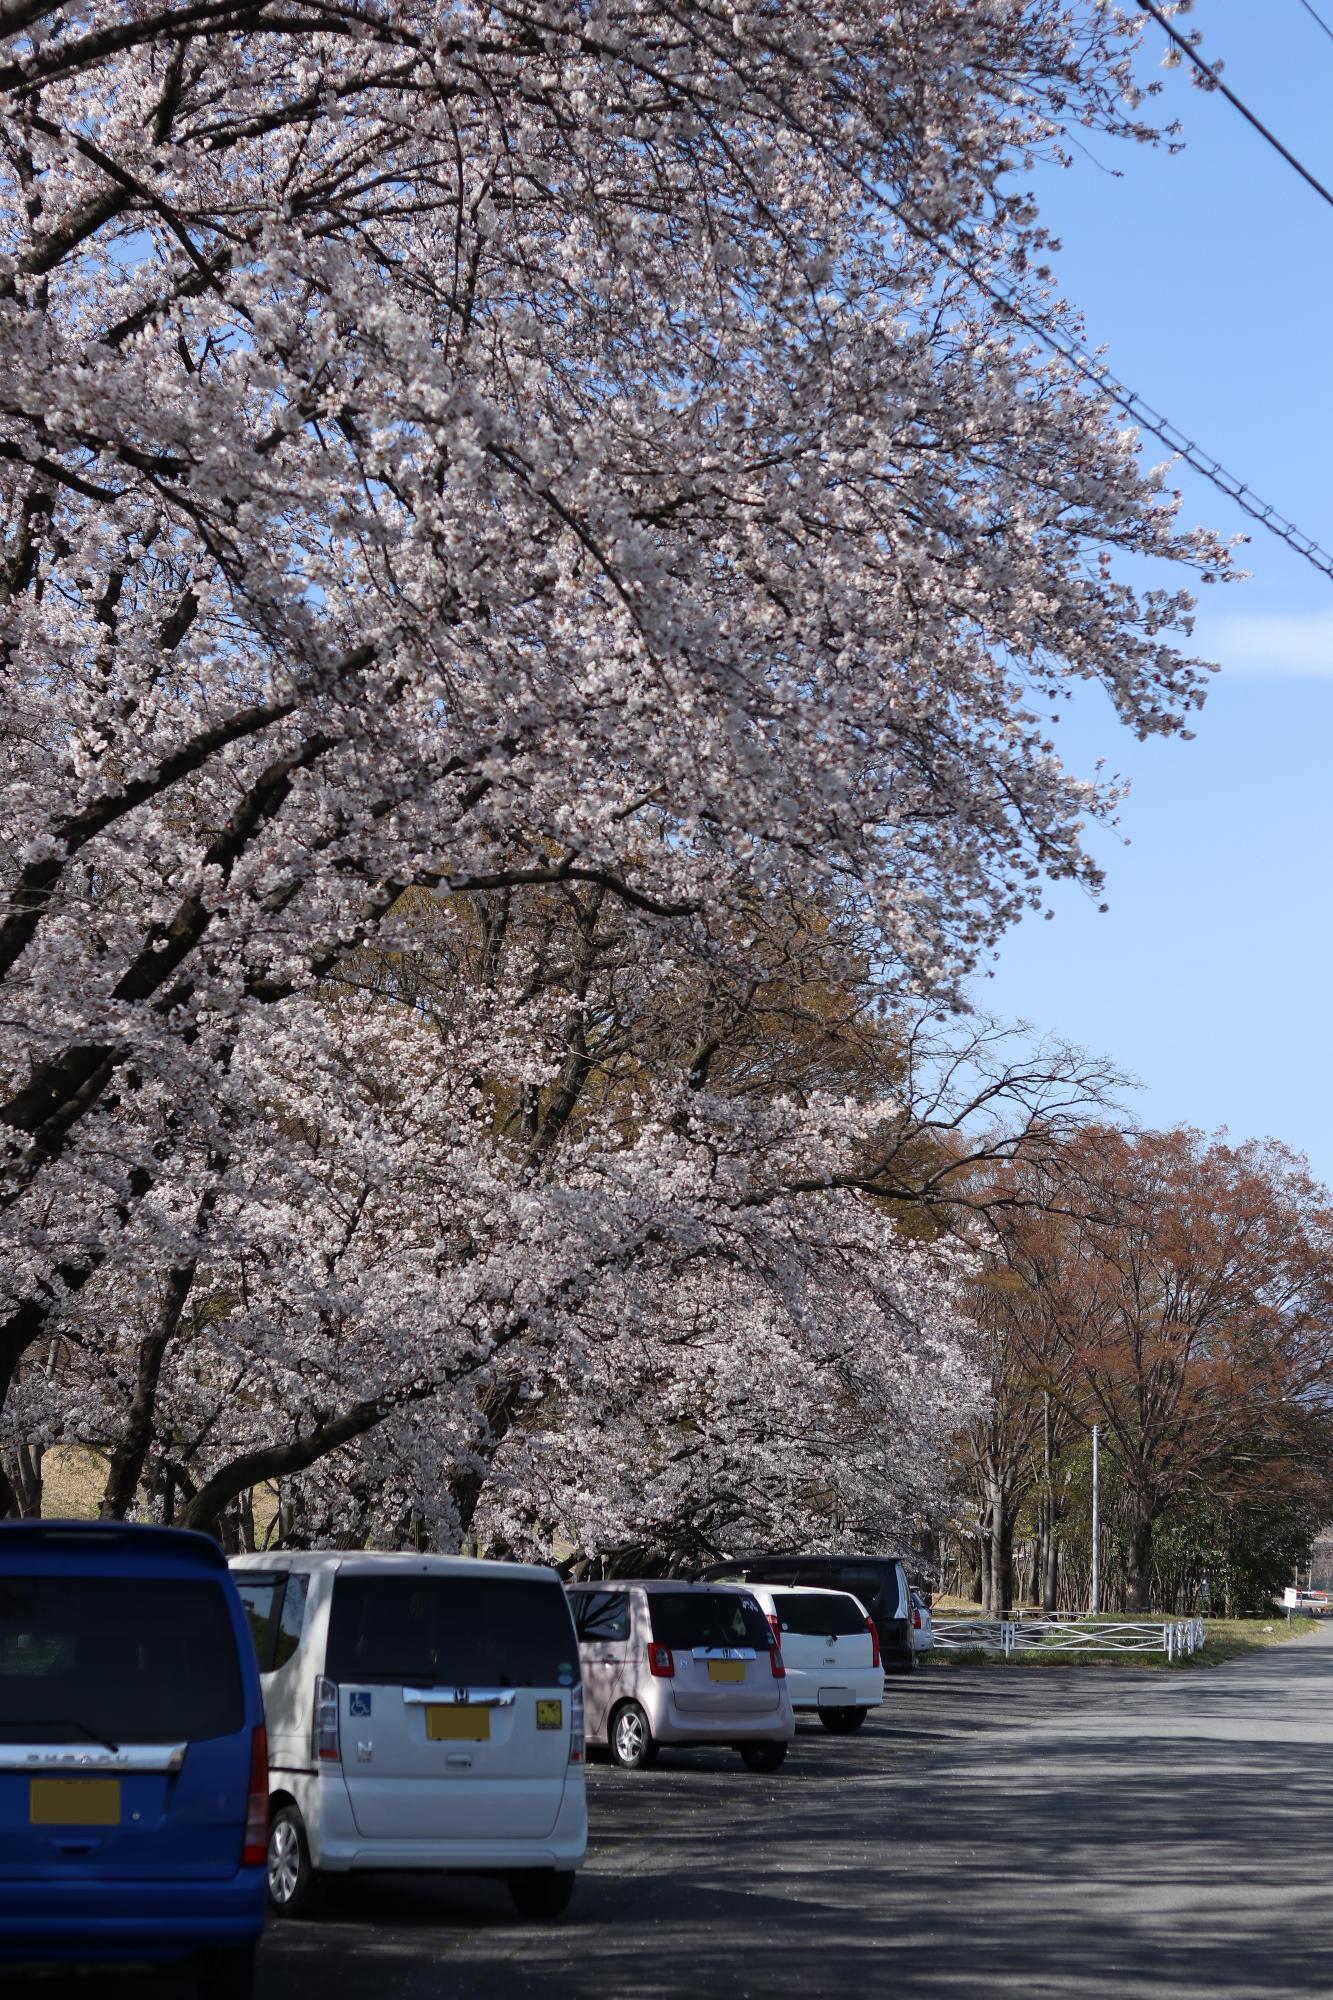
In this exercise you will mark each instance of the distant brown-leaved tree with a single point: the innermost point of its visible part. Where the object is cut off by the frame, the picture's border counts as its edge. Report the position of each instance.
(1182, 1290)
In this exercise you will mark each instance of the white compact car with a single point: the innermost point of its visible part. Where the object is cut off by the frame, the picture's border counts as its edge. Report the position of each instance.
(423, 1712)
(831, 1650)
(923, 1629)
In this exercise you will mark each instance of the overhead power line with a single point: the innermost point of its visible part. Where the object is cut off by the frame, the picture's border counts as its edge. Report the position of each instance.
(1319, 18)
(1128, 400)
(1183, 43)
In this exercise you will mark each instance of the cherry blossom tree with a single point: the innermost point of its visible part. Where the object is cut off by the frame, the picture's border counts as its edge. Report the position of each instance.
(519, 1179)
(487, 453)
(469, 446)
(381, 1263)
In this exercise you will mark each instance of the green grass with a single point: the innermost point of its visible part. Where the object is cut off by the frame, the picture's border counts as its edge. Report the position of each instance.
(1228, 1639)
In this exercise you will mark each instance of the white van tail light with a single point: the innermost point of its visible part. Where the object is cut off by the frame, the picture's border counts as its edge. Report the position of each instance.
(576, 1737)
(873, 1630)
(326, 1745)
(254, 1842)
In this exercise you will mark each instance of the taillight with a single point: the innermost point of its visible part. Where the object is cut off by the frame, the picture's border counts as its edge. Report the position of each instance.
(775, 1629)
(254, 1844)
(326, 1745)
(873, 1630)
(661, 1663)
(778, 1664)
(576, 1736)
(916, 1619)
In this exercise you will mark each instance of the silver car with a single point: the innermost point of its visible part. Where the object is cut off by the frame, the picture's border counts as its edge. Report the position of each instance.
(666, 1662)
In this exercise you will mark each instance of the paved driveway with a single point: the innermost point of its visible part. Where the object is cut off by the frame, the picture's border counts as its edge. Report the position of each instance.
(1033, 1832)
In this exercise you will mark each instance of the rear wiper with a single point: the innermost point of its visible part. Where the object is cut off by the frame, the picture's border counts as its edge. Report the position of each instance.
(60, 1722)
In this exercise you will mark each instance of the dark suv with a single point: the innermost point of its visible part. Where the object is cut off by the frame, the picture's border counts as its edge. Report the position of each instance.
(879, 1581)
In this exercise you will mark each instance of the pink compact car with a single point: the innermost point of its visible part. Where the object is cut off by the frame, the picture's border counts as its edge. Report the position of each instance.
(667, 1662)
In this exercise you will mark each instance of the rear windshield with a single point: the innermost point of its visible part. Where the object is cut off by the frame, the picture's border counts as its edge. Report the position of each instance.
(451, 1631)
(828, 1613)
(876, 1584)
(685, 1619)
(879, 1590)
(120, 1659)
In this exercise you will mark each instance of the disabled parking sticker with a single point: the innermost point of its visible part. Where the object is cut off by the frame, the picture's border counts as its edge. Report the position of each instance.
(549, 1714)
(359, 1701)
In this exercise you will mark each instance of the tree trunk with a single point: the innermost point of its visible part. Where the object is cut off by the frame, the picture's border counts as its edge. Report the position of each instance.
(984, 1566)
(1047, 1577)
(1040, 1545)
(498, 1405)
(998, 1549)
(1001, 1557)
(999, 1523)
(1138, 1578)
(1050, 1582)
(130, 1455)
(22, 1479)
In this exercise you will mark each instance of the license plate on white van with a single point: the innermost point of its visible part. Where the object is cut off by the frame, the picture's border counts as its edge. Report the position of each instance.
(458, 1723)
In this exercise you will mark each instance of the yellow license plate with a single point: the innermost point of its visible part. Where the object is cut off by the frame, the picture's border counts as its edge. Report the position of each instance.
(550, 1714)
(74, 1802)
(726, 1670)
(458, 1725)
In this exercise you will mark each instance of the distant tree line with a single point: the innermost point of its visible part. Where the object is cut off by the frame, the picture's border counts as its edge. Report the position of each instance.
(1174, 1291)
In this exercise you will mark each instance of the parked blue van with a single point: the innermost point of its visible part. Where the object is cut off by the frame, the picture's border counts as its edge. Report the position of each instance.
(133, 1763)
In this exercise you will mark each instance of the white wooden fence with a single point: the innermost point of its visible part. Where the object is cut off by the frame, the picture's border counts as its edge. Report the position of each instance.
(1176, 1637)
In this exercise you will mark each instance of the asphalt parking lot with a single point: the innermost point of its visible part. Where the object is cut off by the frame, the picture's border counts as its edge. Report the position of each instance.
(1027, 1832)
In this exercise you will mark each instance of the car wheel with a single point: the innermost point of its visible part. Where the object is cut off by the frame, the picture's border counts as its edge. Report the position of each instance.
(541, 1893)
(762, 1756)
(228, 1974)
(631, 1740)
(842, 1721)
(293, 1885)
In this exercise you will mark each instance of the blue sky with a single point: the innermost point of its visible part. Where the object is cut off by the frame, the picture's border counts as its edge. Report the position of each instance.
(1209, 277)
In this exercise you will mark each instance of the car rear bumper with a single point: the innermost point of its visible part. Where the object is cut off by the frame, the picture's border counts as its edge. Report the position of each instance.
(451, 1857)
(860, 1688)
(670, 1725)
(69, 1922)
(338, 1848)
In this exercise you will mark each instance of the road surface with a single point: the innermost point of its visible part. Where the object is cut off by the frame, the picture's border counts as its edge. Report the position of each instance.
(1036, 1832)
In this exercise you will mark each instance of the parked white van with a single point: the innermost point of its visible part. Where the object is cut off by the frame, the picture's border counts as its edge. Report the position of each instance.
(832, 1652)
(423, 1712)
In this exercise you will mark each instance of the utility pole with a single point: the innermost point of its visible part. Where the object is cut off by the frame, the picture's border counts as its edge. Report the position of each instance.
(1096, 1604)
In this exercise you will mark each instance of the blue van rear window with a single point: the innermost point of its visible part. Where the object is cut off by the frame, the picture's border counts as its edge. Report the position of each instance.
(116, 1659)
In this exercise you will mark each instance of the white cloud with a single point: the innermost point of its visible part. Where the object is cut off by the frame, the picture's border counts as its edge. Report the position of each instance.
(1272, 642)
